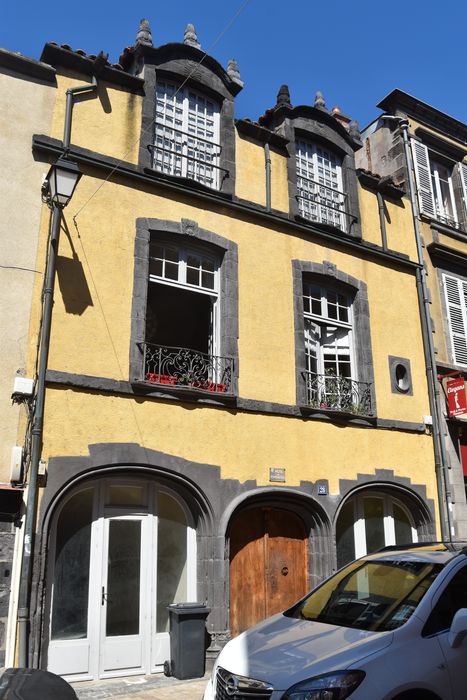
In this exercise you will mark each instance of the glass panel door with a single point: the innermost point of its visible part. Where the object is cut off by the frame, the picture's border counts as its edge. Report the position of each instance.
(373, 509)
(123, 595)
(123, 578)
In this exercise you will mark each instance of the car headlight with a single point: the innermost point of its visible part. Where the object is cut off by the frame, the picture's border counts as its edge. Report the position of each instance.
(331, 686)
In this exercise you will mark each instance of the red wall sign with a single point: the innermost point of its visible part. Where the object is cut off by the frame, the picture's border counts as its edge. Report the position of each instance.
(457, 399)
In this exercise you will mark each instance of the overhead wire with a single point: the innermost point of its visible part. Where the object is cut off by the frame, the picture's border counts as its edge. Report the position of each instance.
(112, 172)
(151, 123)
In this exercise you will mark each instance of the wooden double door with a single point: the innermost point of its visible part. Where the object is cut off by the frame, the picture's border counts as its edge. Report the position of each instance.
(268, 564)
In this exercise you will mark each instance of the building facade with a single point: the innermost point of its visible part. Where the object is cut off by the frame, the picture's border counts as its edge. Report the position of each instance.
(22, 81)
(235, 403)
(435, 161)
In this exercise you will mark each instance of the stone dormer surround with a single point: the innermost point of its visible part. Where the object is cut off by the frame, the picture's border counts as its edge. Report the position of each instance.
(178, 63)
(316, 125)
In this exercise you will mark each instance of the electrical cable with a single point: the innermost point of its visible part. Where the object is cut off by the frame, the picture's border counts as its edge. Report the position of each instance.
(112, 172)
(151, 124)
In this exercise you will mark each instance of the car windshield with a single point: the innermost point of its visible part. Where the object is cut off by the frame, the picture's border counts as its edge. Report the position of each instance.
(369, 595)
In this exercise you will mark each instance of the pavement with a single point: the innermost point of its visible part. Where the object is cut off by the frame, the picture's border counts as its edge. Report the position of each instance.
(155, 687)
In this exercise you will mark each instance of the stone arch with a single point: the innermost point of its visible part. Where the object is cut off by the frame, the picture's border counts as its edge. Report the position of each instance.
(392, 495)
(67, 473)
(315, 522)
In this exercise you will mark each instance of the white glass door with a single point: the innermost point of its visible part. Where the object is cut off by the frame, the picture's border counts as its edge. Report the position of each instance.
(125, 549)
(123, 596)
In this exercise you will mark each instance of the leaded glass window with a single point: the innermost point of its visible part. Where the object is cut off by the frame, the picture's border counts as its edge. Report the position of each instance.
(319, 182)
(186, 134)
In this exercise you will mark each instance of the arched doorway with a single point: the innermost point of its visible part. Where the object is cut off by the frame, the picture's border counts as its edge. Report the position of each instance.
(371, 519)
(268, 564)
(122, 549)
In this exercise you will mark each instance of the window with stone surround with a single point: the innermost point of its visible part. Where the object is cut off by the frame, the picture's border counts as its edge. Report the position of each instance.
(185, 309)
(319, 184)
(186, 134)
(332, 340)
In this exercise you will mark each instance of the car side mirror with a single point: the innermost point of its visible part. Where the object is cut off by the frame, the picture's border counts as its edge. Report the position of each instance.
(458, 629)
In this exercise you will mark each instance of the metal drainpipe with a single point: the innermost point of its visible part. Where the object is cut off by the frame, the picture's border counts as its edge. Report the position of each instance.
(267, 158)
(38, 424)
(430, 360)
(70, 98)
(382, 219)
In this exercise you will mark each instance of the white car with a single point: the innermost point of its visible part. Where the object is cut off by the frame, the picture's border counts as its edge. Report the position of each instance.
(389, 626)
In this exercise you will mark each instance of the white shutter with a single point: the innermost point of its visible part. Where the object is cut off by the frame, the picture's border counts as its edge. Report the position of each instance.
(456, 302)
(463, 174)
(426, 200)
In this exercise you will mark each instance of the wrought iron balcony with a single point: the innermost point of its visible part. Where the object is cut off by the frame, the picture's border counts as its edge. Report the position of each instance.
(183, 367)
(319, 202)
(334, 393)
(183, 154)
(461, 224)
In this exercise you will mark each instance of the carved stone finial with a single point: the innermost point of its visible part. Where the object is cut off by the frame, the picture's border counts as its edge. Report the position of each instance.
(190, 37)
(319, 101)
(283, 96)
(233, 72)
(144, 35)
(354, 131)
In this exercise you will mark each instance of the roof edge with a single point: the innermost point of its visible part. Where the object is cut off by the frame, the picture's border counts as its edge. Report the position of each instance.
(29, 67)
(417, 108)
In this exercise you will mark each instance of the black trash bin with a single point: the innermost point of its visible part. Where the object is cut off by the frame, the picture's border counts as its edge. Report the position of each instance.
(33, 684)
(187, 640)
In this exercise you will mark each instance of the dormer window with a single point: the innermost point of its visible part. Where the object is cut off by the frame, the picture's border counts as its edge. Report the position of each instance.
(186, 135)
(319, 183)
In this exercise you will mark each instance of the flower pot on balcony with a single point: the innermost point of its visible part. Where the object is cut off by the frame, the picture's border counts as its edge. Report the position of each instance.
(155, 378)
(207, 385)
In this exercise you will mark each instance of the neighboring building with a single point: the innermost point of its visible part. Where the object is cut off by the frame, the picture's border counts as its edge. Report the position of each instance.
(27, 89)
(235, 402)
(438, 155)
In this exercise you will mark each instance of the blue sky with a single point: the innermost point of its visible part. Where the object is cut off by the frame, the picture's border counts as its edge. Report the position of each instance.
(355, 53)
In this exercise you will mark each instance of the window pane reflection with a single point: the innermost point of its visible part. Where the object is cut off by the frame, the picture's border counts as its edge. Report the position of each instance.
(171, 558)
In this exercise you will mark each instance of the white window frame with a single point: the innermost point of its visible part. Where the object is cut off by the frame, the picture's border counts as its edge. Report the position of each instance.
(325, 321)
(388, 521)
(181, 282)
(441, 211)
(319, 175)
(455, 294)
(156, 644)
(186, 134)
(427, 177)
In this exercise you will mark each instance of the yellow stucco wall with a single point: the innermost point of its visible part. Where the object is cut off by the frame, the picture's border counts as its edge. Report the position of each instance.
(96, 262)
(250, 175)
(244, 445)
(94, 340)
(399, 225)
(107, 121)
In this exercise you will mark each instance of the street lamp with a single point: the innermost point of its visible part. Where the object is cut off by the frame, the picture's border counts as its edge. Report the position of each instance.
(57, 191)
(62, 179)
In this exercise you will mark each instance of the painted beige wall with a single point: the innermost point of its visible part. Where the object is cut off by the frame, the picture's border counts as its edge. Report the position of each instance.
(25, 108)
